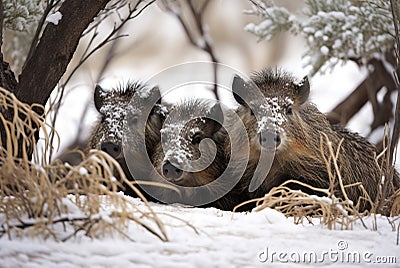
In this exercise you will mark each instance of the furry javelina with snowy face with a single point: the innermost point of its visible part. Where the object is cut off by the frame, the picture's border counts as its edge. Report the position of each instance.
(293, 129)
(122, 118)
(192, 154)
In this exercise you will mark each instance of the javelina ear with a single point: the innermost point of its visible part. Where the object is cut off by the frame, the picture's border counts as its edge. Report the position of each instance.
(156, 117)
(303, 90)
(155, 94)
(217, 117)
(239, 89)
(154, 97)
(99, 95)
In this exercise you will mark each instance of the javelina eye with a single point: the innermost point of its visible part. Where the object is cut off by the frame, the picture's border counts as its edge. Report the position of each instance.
(196, 139)
(132, 121)
(289, 110)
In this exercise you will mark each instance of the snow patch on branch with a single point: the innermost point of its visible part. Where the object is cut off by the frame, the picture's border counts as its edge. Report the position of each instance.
(54, 18)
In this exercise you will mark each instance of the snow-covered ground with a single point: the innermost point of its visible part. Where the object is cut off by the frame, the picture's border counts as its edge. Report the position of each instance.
(220, 239)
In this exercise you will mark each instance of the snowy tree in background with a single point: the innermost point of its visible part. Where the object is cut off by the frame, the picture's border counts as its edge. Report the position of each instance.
(19, 15)
(335, 30)
(21, 18)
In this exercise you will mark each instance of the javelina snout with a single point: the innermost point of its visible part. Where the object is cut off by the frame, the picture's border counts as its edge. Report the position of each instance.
(112, 148)
(190, 152)
(171, 172)
(270, 139)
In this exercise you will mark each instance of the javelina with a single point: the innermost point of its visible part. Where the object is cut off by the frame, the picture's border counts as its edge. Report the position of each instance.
(292, 127)
(123, 118)
(191, 135)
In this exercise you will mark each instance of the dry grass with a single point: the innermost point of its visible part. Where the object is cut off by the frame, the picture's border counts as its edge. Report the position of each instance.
(57, 200)
(388, 202)
(333, 211)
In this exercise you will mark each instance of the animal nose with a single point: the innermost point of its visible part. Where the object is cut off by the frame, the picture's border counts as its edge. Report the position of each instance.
(171, 172)
(270, 139)
(111, 148)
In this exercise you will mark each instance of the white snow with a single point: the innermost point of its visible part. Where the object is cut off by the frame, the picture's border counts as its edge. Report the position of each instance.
(324, 50)
(83, 171)
(144, 92)
(272, 112)
(114, 115)
(220, 239)
(176, 149)
(337, 44)
(54, 18)
(163, 110)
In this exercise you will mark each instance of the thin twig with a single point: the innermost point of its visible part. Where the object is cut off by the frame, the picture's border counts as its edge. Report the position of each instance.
(110, 37)
(104, 14)
(198, 16)
(204, 42)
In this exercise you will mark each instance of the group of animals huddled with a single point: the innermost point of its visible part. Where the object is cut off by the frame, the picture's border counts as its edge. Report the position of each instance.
(282, 121)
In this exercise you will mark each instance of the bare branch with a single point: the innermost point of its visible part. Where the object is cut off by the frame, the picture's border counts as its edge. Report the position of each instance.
(345, 110)
(205, 38)
(204, 6)
(203, 42)
(112, 36)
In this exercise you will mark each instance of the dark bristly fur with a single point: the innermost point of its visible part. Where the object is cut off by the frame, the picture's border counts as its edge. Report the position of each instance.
(116, 108)
(298, 156)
